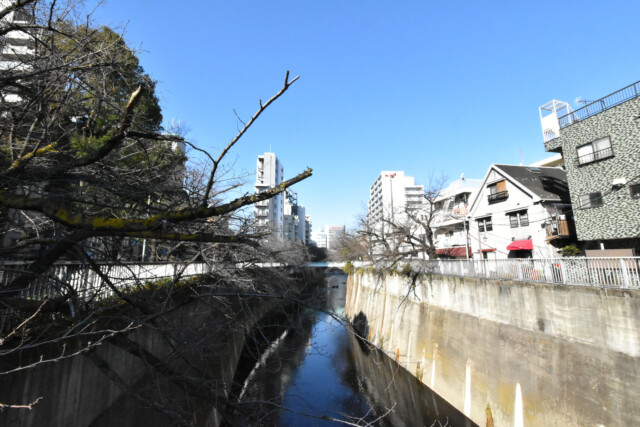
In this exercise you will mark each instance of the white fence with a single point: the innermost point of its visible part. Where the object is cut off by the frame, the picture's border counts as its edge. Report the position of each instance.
(88, 283)
(603, 272)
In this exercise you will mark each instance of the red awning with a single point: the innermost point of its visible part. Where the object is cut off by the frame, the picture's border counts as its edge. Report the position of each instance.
(457, 251)
(520, 245)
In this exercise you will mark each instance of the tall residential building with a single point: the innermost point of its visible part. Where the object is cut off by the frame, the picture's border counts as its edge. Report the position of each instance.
(334, 234)
(328, 236)
(294, 218)
(391, 194)
(307, 230)
(17, 47)
(319, 238)
(269, 214)
(600, 144)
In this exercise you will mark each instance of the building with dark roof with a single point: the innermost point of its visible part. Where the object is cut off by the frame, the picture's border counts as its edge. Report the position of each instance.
(520, 212)
(600, 144)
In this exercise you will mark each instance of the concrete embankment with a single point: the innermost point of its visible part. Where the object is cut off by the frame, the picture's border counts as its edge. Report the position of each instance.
(199, 345)
(527, 353)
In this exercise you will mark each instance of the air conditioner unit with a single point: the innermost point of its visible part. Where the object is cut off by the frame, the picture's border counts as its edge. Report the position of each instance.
(619, 182)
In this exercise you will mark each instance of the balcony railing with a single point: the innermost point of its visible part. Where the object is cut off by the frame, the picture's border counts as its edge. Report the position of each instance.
(560, 228)
(595, 156)
(496, 197)
(616, 98)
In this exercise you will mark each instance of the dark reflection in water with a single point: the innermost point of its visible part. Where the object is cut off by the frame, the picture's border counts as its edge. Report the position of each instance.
(318, 371)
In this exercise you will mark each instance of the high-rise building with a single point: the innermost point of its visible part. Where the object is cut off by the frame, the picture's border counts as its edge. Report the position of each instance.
(391, 194)
(334, 234)
(307, 230)
(269, 214)
(17, 47)
(328, 236)
(319, 238)
(294, 218)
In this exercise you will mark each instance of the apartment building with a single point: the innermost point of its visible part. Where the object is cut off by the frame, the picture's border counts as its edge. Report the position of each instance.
(269, 214)
(294, 225)
(600, 145)
(391, 194)
(328, 236)
(307, 230)
(449, 223)
(319, 238)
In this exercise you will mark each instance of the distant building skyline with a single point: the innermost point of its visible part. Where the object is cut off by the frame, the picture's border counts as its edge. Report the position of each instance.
(328, 236)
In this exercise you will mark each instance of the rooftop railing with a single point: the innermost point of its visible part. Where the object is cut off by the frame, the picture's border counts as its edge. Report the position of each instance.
(616, 98)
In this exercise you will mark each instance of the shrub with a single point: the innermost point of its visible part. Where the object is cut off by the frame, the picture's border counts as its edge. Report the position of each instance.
(348, 268)
(571, 250)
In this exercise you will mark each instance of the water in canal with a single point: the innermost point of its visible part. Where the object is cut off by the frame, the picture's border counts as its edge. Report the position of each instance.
(320, 372)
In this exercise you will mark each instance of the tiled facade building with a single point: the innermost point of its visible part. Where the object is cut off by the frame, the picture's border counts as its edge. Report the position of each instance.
(600, 144)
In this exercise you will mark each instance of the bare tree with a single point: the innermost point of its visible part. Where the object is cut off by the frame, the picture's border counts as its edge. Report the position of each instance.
(403, 234)
(86, 173)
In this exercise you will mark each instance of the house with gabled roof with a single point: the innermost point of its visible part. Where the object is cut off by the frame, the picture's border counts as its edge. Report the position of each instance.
(521, 212)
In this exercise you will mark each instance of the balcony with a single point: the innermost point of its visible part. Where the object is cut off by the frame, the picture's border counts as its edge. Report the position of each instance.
(560, 228)
(457, 239)
(498, 197)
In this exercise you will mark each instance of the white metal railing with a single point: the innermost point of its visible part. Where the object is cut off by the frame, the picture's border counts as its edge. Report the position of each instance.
(622, 272)
(88, 283)
(616, 98)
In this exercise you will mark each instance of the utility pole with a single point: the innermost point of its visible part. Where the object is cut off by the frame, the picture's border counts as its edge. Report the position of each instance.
(466, 236)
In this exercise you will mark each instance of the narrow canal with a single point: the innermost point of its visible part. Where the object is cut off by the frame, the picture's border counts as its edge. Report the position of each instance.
(319, 373)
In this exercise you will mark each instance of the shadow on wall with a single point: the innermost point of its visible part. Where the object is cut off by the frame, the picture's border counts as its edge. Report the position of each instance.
(360, 325)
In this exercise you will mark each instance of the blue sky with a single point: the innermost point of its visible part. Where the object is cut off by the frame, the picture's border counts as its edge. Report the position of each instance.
(421, 86)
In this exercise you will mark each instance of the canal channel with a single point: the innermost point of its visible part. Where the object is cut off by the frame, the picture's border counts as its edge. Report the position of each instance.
(321, 373)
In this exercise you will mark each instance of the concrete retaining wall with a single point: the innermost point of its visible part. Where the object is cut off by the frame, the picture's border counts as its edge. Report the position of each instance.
(537, 354)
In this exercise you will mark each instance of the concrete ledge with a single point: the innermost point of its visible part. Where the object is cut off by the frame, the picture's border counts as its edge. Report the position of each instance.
(539, 354)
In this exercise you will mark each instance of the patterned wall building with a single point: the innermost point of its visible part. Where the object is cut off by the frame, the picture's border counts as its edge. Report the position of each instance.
(600, 144)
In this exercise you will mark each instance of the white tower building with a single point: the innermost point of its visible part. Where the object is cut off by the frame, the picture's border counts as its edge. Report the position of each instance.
(391, 194)
(269, 214)
(16, 46)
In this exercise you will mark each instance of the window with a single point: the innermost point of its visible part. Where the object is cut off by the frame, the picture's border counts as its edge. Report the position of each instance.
(518, 219)
(597, 150)
(498, 191)
(591, 200)
(484, 224)
(635, 190)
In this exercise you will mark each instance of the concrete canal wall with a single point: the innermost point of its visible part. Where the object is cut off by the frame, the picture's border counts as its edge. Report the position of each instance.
(535, 354)
(75, 392)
